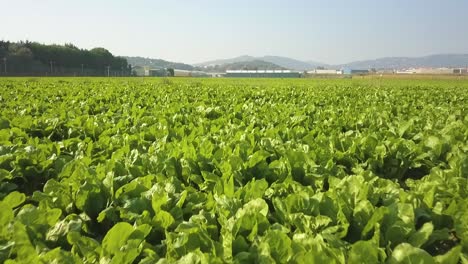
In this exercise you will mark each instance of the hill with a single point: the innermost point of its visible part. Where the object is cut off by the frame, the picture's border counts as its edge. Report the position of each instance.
(243, 65)
(225, 61)
(292, 64)
(158, 63)
(284, 62)
(431, 61)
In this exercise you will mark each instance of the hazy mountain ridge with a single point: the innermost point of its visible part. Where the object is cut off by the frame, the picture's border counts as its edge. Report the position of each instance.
(239, 63)
(158, 63)
(278, 62)
(225, 61)
(243, 65)
(293, 64)
(284, 62)
(430, 61)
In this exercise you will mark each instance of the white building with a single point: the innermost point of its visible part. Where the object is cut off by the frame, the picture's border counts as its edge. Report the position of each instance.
(323, 71)
(433, 71)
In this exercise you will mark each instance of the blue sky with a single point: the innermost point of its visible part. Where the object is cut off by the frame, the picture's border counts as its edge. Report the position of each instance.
(193, 31)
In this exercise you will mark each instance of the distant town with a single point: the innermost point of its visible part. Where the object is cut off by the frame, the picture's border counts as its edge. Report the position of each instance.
(161, 72)
(284, 67)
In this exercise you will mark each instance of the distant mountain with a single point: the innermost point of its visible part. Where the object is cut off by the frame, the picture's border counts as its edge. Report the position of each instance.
(278, 62)
(432, 61)
(292, 64)
(283, 62)
(225, 61)
(158, 63)
(243, 65)
(316, 64)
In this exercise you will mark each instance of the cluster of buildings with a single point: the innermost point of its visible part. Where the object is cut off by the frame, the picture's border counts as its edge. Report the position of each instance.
(153, 72)
(263, 73)
(146, 71)
(289, 73)
(447, 71)
(340, 71)
(442, 71)
(168, 72)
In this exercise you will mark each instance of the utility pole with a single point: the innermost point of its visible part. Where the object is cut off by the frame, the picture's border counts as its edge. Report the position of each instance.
(82, 69)
(51, 68)
(108, 71)
(5, 63)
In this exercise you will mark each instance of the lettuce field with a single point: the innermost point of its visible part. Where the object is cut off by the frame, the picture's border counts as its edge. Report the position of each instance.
(233, 171)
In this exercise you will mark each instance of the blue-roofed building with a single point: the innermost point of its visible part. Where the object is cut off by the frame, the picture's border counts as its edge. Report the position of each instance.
(354, 71)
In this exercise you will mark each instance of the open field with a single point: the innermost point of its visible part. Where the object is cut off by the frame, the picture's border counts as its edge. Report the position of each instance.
(127, 170)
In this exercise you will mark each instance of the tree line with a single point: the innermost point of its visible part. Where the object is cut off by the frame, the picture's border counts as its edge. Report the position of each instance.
(36, 59)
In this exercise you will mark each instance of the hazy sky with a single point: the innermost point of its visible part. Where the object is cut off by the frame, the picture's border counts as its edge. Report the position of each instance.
(193, 31)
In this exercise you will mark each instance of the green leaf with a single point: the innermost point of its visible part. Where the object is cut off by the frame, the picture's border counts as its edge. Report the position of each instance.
(5, 175)
(163, 219)
(62, 228)
(24, 249)
(115, 238)
(37, 218)
(85, 247)
(255, 206)
(123, 243)
(406, 254)
(14, 199)
(257, 157)
(90, 199)
(366, 252)
(422, 235)
(279, 245)
(158, 200)
(58, 255)
(451, 257)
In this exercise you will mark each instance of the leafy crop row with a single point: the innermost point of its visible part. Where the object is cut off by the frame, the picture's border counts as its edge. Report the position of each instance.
(243, 171)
